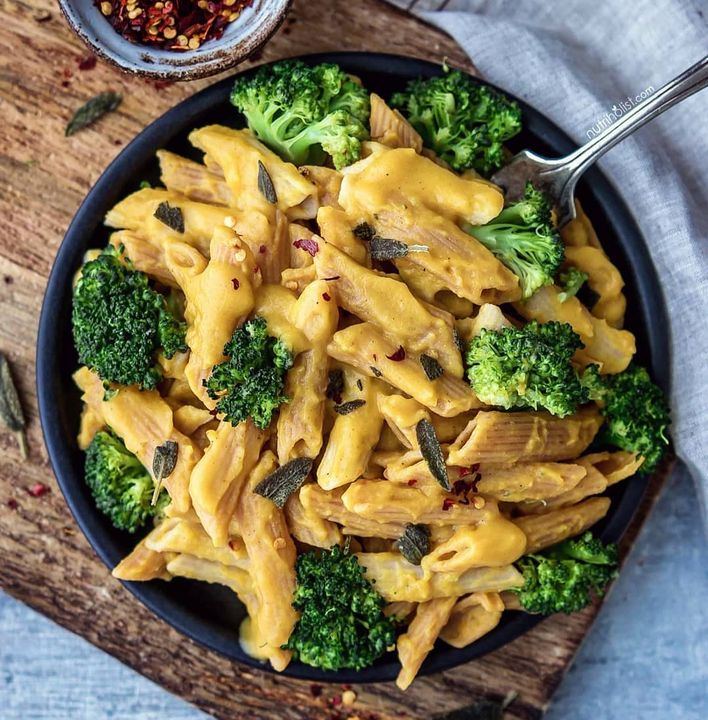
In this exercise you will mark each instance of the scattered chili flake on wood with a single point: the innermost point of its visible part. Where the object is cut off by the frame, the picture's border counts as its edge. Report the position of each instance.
(315, 690)
(326, 297)
(399, 355)
(172, 24)
(235, 282)
(87, 62)
(309, 245)
(38, 489)
(13, 504)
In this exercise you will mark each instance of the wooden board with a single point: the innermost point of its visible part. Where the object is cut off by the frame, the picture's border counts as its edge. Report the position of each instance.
(46, 562)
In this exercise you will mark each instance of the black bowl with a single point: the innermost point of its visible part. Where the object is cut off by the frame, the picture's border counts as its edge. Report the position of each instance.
(209, 614)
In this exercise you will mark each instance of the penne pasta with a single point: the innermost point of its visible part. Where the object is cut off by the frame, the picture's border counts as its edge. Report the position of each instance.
(390, 128)
(194, 180)
(471, 618)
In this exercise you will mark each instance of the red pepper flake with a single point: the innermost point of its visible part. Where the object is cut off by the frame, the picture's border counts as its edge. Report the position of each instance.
(66, 72)
(399, 355)
(448, 503)
(335, 701)
(38, 489)
(326, 297)
(346, 686)
(13, 504)
(308, 245)
(412, 482)
(87, 62)
(315, 690)
(65, 83)
(235, 282)
(334, 277)
(262, 249)
(172, 25)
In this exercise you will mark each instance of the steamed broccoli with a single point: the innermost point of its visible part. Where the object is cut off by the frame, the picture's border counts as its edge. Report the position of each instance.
(305, 112)
(342, 624)
(250, 383)
(523, 237)
(121, 487)
(528, 367)
(120, 323)
(570, 282)
(564, 577)
(465, 123)
(635, 410)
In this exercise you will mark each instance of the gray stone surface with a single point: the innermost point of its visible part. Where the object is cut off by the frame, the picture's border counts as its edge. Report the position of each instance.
(646, 658)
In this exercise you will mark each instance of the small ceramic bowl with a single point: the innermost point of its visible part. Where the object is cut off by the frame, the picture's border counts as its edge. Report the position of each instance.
(241, 39)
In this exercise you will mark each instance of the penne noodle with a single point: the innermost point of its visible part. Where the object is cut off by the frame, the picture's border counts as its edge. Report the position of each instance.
(471, 618)
(328, 182)
(528, 481)
(306, 526)
(193, 180)
(510, 437)
(142, 564)
(418, 640)
(146, 256)
(390, 128)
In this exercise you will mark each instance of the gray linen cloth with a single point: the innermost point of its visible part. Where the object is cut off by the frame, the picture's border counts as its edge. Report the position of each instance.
(573, 61)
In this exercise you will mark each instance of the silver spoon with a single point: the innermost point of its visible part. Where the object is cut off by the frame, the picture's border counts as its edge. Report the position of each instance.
(558, 177)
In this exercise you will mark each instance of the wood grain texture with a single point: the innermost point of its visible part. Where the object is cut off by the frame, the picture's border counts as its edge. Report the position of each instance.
(46, 561)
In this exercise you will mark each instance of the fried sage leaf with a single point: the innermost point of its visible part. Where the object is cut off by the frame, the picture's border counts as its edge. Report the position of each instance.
(92, 110)
(432, 452)
(170, 216)
(265, 184)
(433, 369)
(348, 407)
(163, 464)
(10, 408)
(282, 483)
(364, 231)
(387, 249)
(414, 544)
(335, 385)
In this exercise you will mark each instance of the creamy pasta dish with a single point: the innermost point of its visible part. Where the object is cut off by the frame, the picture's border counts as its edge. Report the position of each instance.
(363, 391)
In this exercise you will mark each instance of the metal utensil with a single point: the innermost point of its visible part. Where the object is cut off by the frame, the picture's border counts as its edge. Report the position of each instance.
(558, 177)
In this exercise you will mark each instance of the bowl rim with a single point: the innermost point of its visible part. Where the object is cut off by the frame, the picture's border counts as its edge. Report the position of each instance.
(651, 307)
(181, 67)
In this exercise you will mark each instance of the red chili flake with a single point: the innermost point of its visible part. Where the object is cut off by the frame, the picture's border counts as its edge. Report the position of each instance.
(334, 277)
(262, 249)
(13, 504)
(38, 489)
(315, 690)
(326, 297)
(399, 355)
(308, 245)
(346, 686)
(87, 62)
(66, 72)
(235, 282)
(335, 701)
(179, 25)
(448, 503)
(412, 482)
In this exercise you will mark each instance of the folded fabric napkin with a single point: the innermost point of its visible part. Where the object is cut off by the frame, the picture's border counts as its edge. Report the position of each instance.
(574, 61)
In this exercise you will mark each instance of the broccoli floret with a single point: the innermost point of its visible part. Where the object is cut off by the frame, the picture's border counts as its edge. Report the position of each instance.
(250, 383)
(528, 367)
(636, 412)
(342, 624)
(570, 282)
(119, 322)
(465, 123)
(305, 112)
(121, 487)
(564, 577)
(523, 237)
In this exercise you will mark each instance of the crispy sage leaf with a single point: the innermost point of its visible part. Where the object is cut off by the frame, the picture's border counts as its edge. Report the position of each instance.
(432, 452)
(170, 216)
(387, 249)
(92, 110)
(433, 369)
(414, 544)
(163, 464)
(265, 184)
(10, 408)
(335, 385)
(348, 407)
(282, 483)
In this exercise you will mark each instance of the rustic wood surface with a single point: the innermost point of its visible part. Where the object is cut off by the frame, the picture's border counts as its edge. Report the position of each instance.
(47, 563)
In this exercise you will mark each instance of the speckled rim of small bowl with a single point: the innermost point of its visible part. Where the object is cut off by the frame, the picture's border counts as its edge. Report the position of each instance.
(241, 38)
